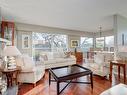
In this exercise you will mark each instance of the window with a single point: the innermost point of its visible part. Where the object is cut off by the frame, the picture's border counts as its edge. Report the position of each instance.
(100, 42)
(48, 42)
(59, 42)
(86, 43)
(106, 43)
(109, 41)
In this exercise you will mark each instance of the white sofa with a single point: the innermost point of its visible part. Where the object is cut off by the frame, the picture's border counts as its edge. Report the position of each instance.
(56, 59)
(100, 64)
(31, 72)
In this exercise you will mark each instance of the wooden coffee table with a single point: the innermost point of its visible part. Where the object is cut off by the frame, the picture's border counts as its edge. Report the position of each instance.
(68, 74)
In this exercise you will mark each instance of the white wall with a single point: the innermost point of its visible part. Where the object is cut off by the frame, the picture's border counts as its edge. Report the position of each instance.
(120, 30)
(45, 29)
(19, 42)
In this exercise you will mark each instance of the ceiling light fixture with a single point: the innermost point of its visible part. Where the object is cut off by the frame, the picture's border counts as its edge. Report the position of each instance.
(100, 38)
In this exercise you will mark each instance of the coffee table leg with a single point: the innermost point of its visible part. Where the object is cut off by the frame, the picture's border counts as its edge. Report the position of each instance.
(91, 78)
(58, 85)
(49, 78)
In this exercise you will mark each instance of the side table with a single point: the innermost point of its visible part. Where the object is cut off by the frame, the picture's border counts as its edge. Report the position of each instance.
(10, 75)
(118, 63)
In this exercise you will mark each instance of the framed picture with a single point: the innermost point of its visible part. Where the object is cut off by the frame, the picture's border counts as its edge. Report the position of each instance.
(25, 41)
(74, 43)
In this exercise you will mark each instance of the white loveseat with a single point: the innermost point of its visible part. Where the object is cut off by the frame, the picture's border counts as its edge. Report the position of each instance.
(100, 64)
(56, 59)
(31, 72)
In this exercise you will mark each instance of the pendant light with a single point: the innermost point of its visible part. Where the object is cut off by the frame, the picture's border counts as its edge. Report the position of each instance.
(100, 32)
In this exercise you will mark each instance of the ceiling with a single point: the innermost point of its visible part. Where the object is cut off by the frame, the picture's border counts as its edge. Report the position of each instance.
(83, 15)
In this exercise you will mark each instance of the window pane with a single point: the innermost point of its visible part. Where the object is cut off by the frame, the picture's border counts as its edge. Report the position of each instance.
(100, 42)
(59, 42)
(42, 41)
(48, 42)
(109, 41)
(86, 43)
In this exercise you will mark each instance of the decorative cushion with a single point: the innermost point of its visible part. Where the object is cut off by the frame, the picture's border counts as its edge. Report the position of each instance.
(43, 57)
(67, 54)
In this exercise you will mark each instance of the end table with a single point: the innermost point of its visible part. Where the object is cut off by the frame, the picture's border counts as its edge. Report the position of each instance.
(118, 63)
(10, 75)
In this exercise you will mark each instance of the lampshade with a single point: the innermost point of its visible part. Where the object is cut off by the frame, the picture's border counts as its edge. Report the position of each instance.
(11, 51)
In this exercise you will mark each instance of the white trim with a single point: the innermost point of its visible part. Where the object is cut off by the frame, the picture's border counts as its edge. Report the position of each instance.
(27, 41)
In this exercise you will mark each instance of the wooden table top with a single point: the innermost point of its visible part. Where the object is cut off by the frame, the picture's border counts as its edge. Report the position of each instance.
(118, 62)
(18, 68)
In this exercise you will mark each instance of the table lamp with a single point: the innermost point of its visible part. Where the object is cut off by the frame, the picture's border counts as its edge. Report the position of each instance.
(11, 52)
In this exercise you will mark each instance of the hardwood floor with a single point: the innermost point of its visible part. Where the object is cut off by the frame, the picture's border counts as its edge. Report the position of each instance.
(42, 88)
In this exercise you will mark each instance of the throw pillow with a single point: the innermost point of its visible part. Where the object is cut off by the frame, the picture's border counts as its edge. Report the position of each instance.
(43, 57)
(67, 54)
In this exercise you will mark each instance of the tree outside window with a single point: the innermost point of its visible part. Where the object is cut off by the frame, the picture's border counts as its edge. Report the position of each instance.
(86, 43)
(48, 42)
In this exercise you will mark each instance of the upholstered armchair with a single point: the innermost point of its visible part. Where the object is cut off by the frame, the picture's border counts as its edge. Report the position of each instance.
(100, 64)
(31, 72)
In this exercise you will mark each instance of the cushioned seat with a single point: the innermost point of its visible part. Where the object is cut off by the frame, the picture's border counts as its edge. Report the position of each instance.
(56, 59)
(61, 60)
(31, 72)
(51, 61)
(100, 64)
